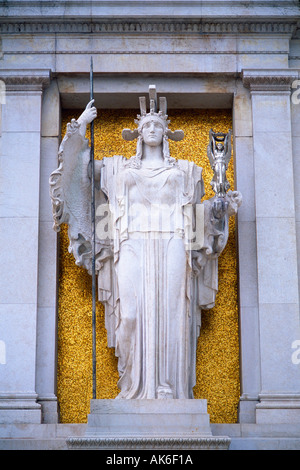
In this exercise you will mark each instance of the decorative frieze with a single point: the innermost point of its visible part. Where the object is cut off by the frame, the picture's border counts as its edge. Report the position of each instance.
(149, 443)
(148, 27)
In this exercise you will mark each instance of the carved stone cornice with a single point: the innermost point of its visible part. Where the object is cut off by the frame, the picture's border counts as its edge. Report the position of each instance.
(269, 80)
(148, 26)
(25, 79)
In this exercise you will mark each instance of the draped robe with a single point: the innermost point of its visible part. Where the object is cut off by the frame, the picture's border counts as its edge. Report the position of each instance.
(155, 328)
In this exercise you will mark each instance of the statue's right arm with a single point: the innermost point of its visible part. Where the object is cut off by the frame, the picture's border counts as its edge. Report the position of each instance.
(69, 183)
(88, 115)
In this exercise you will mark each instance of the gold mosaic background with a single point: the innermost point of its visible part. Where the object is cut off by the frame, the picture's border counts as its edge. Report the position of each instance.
(218, 346)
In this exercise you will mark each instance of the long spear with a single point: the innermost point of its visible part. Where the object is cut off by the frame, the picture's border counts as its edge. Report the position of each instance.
(93, 237)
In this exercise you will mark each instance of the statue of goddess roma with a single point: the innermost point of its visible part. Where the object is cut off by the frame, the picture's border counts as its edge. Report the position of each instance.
(156, 248)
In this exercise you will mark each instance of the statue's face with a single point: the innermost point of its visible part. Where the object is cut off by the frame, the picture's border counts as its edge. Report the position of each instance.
(152, 133)
(220, 146)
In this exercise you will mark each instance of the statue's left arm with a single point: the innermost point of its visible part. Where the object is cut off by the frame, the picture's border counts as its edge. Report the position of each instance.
(216, 230)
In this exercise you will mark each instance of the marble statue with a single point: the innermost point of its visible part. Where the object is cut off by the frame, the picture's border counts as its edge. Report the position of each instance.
(157, 245)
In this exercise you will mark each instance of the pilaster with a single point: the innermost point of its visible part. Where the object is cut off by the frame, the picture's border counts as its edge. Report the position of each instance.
(47, 263)
(277, 274)
(247, 260)
(19, 213)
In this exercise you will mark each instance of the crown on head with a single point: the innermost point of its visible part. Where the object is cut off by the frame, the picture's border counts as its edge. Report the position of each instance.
(160, 115)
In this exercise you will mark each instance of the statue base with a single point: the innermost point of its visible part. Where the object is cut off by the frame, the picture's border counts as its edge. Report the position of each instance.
(148, 424)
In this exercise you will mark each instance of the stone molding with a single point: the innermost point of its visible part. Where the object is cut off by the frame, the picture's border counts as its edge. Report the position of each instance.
(163, 8)
(151, 52)
(279, 400)
(269, 80)
(140, 26)
(25, 79)
(17, 402)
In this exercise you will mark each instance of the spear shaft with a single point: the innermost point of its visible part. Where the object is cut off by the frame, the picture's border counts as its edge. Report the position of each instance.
(92, 161)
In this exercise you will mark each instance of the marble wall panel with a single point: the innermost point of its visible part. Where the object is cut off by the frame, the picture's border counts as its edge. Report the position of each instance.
(242, 112)
(46, 352)
(294, 54)
(19, 174)
(29, 120)
(147, 63)
(278, 332)
(277, 260)
(28, 43)
(49, 163)
(272, 113)
(247, 271)
(50, 117)
(274, 175)
(262, 43)
(17, 374)
(27, 60)
(296, 166)
(19, 242)
(295, 111)
(245, 177)
(47, 265)
(250, 352)
(258, 61)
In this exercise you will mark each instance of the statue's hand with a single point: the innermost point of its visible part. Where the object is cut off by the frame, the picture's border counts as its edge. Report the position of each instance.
(235, 200)
(220, 206)
(89, 114)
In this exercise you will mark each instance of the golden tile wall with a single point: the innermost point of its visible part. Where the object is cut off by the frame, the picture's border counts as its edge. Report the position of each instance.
(218, 346)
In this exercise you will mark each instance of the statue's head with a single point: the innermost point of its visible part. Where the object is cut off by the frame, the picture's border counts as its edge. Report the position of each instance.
(220, 146)
(152, 127)
(152, 131)
(159, 116)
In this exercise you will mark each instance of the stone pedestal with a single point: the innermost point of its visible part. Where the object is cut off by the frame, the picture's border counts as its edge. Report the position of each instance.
(148, 424)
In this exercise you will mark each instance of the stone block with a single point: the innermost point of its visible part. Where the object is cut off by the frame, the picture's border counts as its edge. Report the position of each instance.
(18, 332)
(51, 122)
(248, 282)
(249, 353)
(19, 241)
(296, 165)
(277, 261)
(49, 162)
(278, 409)
(29, 120)
(34, 60)
(271, 113)
(274, 184)
(46, 357)
(242, 112)
(279, 329)
(47, 270)
(244, 176)
(295, 108)
(20, 161)
(20, 415)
